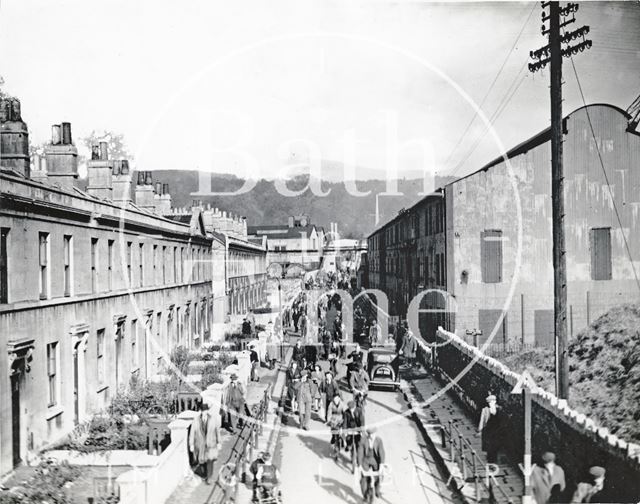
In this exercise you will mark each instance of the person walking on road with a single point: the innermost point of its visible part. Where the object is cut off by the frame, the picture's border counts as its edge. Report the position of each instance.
(547, 480)
(371, 456)
(293, 382)
(357, 357)
(375, 333)
(409, 348)
(490, 428)
(354, 423)
(329, 389)
(298, 353)
(204, 441)
(401, 329)
(304, 400)
(326, 343)
(235, 402)
(359, 385)
(335, 419)
(316, 381)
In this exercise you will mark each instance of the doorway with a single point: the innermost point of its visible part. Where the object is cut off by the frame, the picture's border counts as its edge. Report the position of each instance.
(76, 395)
(15, 418)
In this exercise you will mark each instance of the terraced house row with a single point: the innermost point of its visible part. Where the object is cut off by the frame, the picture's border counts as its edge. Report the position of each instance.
(95, 286)
(485, 240)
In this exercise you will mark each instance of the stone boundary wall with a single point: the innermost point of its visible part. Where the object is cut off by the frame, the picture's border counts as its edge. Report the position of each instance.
(575, 439)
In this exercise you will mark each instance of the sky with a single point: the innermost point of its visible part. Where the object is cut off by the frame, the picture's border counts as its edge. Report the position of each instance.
(265, 89)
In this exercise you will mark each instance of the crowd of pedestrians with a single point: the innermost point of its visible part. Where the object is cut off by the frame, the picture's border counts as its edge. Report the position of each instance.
(312, 392)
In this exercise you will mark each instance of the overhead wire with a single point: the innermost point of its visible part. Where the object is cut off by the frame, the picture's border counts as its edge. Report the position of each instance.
(511, 91)
(484, 99)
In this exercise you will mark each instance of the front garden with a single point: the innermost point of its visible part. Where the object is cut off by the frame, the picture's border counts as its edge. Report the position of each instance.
(133, 430)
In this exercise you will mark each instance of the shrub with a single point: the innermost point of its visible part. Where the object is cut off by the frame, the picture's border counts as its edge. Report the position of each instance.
(180, 357)
(104, 433)
(142, 394)
(48, 484)
(210, 374)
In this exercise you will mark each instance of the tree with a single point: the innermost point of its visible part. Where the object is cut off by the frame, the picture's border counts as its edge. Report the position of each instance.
(117, 146)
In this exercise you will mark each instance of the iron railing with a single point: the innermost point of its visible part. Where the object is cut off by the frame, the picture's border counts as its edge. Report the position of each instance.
(243, 452)
(471, 466)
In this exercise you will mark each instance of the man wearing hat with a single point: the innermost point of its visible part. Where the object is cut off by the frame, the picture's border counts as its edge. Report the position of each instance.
(490, 427)
(591, 490)
(547, 479)
(235, 402)
(370, 458)
(204, 441)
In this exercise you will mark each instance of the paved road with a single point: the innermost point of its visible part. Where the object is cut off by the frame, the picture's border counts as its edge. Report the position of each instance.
(311, 476)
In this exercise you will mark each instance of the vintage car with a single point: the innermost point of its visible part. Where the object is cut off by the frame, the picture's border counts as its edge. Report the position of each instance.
(383, 366)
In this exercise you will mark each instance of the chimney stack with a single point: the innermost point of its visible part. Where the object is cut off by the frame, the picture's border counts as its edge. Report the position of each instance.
(164, 205)
(100, 172)
(61, 156)
(121, 182)
(39, 169)
(14, 138)
(144, 191)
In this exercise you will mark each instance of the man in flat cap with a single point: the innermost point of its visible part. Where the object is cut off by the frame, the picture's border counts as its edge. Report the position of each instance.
(590, 490)
(547, 479)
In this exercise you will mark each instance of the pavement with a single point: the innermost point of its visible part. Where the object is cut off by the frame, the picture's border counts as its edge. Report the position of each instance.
(437, 409)
(310, 475)
(193, 490)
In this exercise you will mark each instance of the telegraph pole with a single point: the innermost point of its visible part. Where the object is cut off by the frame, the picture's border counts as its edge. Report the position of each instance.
(552, 54)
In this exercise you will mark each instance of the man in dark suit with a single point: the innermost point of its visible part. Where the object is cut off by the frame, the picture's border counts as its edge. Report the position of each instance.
(329, 390)
(370, 458)
(353, 421)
